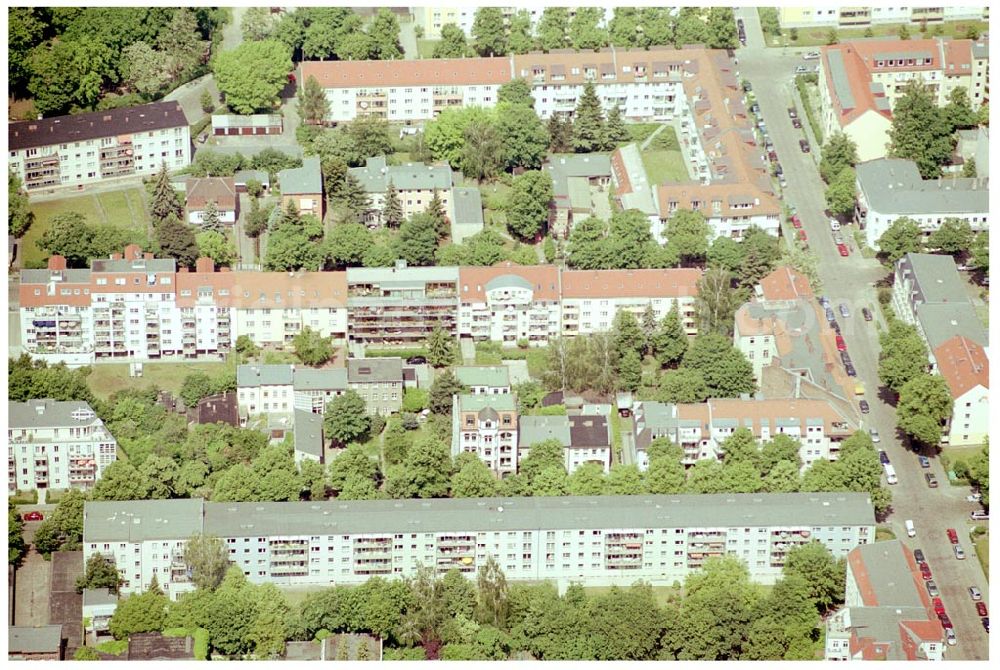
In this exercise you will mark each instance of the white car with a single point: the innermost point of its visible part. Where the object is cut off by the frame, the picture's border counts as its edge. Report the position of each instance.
(834, 225)
(810, 55)
(801, 69)
(874, 435)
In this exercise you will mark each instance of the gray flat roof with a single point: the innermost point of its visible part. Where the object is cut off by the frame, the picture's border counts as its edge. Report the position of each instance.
(33, 639)
(535, 429)
(889, 574)
(305, 180)
(476, 403)
(264, 375)
(44, 276)
(311, 379)
(48, 413)
(98, 597)
(838, 73)
(941, 322)
(937, 278)
(374, 370)
(483, 375)
(134, 265)
(432, 273)
(468, 206)
(376, 175)
(309, 433)
(894, 186)
(140, 520)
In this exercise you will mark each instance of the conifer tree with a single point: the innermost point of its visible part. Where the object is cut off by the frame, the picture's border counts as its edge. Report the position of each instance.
(615, 130)
(176, 240)
(392, 209)
(436, 210)
(313, 104)
(164, 200)
(588, 122)
(210, 217)
(669, 343)
(560, 134)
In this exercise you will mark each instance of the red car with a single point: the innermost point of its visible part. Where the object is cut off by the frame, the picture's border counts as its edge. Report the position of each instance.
(33, 516)
(802, 235)
(842, 248)
(841, 345)
(938, 606)
(981, 609)
(925, 572)
(796, 221)
(953, 536)
(945, 621)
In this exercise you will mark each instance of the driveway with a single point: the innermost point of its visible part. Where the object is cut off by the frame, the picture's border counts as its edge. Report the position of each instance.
(851, 281)
(31, 592)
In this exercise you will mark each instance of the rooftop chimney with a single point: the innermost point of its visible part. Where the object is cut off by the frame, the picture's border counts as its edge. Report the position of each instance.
(148, 255)
(133, 252)
(116, 257)
(57, 262)
(204, 264)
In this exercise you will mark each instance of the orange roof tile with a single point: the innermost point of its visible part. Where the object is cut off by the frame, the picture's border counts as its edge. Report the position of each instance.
(671, 283)
(543, 278)
(201, 190)
(728, 195)
(221, 285)
(429, 72)
(289, 290)
(757, 411)
(963, 364)
(786, 283)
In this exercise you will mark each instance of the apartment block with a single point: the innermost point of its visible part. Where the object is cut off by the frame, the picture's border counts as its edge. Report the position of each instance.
(82, 149)
(594, 541)
(486, 425)
(57, 317)
(379, 382)
(484, 379)
(415, 184)
(861, 81)
(54, 444)
(928, 292)
(887, 614)
(592, 298)
(401, 305)
(701, 428)
(264, 389)
(853, 17)
(729, 209)
(891, 188)
(965, 365)
(508, 303)
(271, 308)
(433, 19)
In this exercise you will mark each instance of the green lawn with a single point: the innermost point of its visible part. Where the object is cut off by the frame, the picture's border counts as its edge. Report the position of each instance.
(983, 553)
(640, 131)
(107, 378)
(817, 36)
(425, 48)
(665, 166)
(124, 208)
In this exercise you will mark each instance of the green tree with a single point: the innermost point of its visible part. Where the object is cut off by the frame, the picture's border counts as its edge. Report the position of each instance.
(207, 560)
(903, 236)
(669, 342)
(630, 371)
(418, 239)
(782, 478)
(257, 24)
(392, 208)
(839, 152)
(445, 136)
(920, 130)
(528, 208)
(445, 386)
(831, 36)
(553, 27)
(726, 370)
(524, 138)
(717, 301)
(346, 418)
(690, 28)
(177, 240)
(196, 386)
(516, 92)
(925, 402)
(164, 199)
(624, 480)
(560, 134)
(824, 574)
(721, 26)
(492, 594)
(352, 463)
(140, 613)
(625, 624)
(842, 193)
(682, 385)
(488, 35)
(585, 31)
(953, 237)
(473, 480)
(426, 472)
(311, 347)
(19, 214)
(452, 44)
(217, 246)
(969, 168)
(384, 34)
(688, 232)
(979, 257)
(15, 536)
(665, 476)
(519, 38)
(252, 75)
(347, 243)
(903, 355)
(586, 480)
(740, 446)
(616, 132)
(313, 104)
(146, 70)
(588, 121)
(441, 350)
(779, 448)
(552, 481)
(628, 335)
(958, 111)
(541, 455)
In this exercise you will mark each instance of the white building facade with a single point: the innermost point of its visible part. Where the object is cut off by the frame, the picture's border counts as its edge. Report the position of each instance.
(486, 425)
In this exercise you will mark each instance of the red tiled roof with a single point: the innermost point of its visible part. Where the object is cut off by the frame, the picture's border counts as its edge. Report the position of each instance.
(289, 290)
(671, 283)
(785, 283)
(963, 364)
(684, 195)
(543, 278)
(202, 190)
(428, 72)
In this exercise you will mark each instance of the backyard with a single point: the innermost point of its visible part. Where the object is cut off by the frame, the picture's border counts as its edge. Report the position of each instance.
(663, 160)
(124, 207)
(813, 37)
(107, 378)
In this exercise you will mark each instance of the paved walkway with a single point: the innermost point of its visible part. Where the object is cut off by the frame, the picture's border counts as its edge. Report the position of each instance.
(31, 593)
(648, 140)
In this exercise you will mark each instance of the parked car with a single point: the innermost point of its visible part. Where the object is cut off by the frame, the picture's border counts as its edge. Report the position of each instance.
(796, 221)
(925, 571)
(986, 623)
(975, 594)
(874, 435)
(829, 314)
(867, 313)
(796, 123)
(945, 622)
(841, 344)
(791, 113)
(851, 372)
(838, 238)
(959, 552)
(416, 360)
(931, 480)
(835, 326)
(810, 55)
(949, 636)
(845, 358)
(981, 609)
(755, 108)
(918, 555)
(979, 515)
(938, 606)
(33, 516)
(844, 312)
(932, 589)
(772, 156)
(864, 406)
(802, 235)
(746, 86)
(824, 302)
(975, 497)
(924, 461)
(804, 145)
(883, 458)
(834, 225)
(801, 69)
(843, 251)
(952, 535)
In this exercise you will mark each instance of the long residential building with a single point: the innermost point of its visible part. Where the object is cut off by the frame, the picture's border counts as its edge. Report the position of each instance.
(433, 18)
(592, 540)
(88, 148)
(134, 307)
(815, 16)
(860, 82)
(891, 188)
(55, 444)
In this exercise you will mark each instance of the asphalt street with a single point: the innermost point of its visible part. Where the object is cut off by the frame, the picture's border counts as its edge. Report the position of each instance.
(850, 281)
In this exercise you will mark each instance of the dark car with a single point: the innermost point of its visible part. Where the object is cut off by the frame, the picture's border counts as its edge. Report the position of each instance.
(851, 372)
(931, 480)
(865, 312)
(824, 302)
(791, 113)
(945, 621)
(746, 86)
(804, 145)
(796, 123)
(924, 461)
(845, 358)
(864, 406)
(986, 623)
(772, 156)
(416, 360)
(918, 555)
(33, 516)
(883, 458)
(755, 108)
(835, 326)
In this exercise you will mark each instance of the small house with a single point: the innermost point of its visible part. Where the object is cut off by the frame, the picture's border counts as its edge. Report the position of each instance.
(304, 187)
(204, 190)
